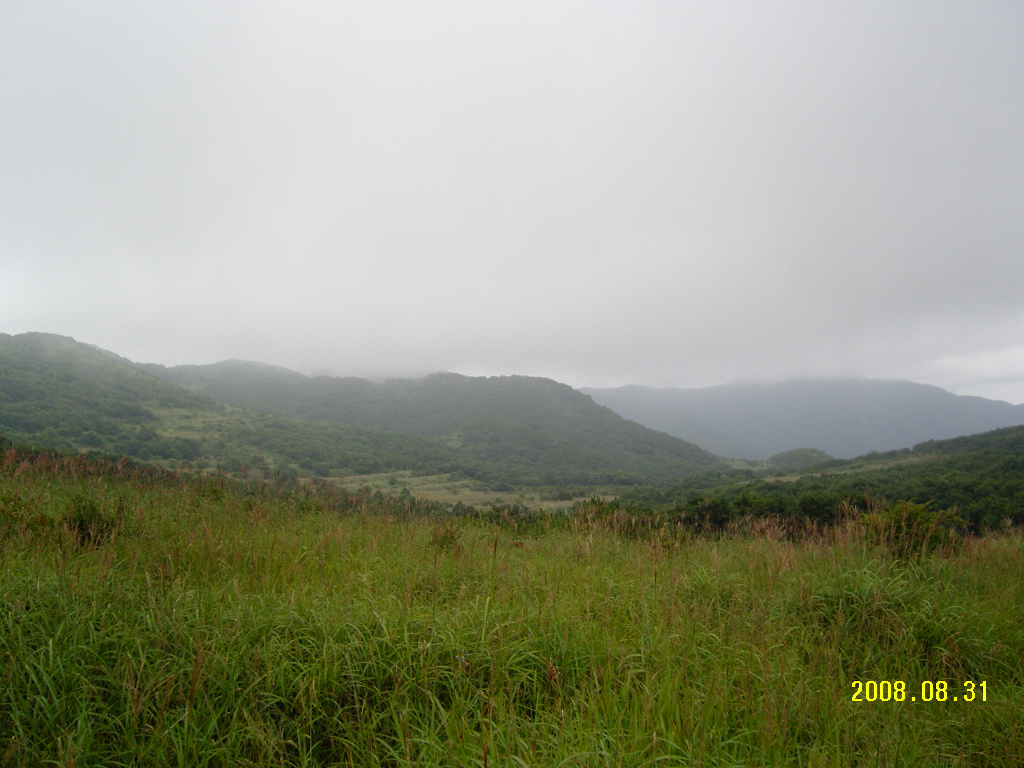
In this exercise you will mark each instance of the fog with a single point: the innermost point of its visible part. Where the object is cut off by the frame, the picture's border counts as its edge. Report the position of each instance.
(672, 194)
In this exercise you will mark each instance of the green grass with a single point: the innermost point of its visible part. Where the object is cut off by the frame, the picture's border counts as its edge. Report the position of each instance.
(148, 620)
(450, 489)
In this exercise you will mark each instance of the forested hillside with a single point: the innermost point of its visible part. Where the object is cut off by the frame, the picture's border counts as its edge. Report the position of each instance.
(505, 419)
(64, 394)
(504, 433)
(57, 392)
(980, 478)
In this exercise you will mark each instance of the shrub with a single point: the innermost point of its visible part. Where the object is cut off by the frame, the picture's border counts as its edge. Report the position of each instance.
(88, 521)
(910, 530)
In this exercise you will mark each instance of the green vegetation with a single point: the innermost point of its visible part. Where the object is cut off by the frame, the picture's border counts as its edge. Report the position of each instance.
(798, 458)
(503, 434)
(68, 395)
(543, 443)
(978, 478)
(429, 610)
(526, 430)
(149, 618)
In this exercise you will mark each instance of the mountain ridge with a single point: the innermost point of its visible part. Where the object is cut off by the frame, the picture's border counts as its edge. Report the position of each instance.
(845, 417)
(446, 406)
(70, 395)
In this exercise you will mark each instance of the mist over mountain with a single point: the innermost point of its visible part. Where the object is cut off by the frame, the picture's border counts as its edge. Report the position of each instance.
(843, 417)
(507, 431)
(504, 432)
(58, 393)
(505, 418)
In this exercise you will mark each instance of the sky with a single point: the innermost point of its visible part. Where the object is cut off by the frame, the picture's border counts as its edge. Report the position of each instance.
(662, 193)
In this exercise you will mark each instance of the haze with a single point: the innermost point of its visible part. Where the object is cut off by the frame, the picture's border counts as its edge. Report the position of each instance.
(672, 194)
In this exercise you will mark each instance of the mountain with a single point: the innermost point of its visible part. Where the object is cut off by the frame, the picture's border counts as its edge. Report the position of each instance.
(63, 394)
(52, 383)
(510, 432)
(843, 417)
(534, 423)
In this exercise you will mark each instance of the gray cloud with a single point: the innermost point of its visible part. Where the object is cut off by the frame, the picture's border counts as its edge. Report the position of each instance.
(674, 194)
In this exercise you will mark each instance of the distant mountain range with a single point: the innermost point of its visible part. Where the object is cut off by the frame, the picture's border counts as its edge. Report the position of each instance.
(507, 432)
(843, 417)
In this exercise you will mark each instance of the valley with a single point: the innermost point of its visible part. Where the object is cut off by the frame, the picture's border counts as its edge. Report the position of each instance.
(256, 567)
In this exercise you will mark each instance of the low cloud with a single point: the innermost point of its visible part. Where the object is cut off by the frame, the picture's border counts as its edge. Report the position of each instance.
(602, 193)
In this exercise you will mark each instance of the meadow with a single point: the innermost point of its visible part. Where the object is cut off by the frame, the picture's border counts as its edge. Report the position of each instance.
(152, 619)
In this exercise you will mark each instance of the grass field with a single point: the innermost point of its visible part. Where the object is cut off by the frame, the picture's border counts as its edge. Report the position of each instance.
(448, 489)
(151, 621)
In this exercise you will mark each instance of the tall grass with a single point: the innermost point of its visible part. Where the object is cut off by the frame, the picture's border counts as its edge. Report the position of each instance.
(173, 621)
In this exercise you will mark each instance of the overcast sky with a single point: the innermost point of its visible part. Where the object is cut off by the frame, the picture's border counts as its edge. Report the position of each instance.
(664, 193)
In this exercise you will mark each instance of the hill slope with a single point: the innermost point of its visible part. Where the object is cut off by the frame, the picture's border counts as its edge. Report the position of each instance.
(63, 394)
(58, 392)
(981, 477)
(527, 422)
(68, 394)
(843, 417)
